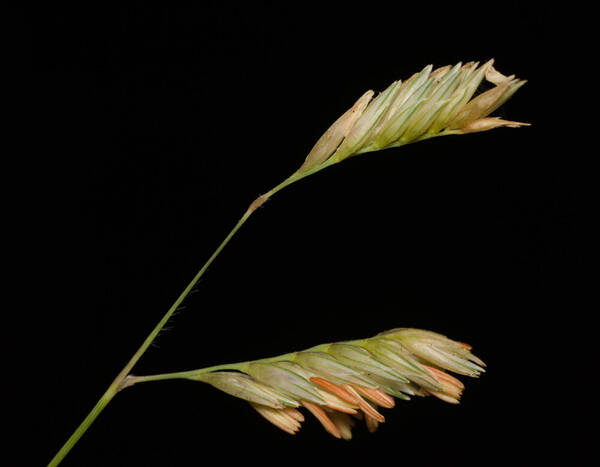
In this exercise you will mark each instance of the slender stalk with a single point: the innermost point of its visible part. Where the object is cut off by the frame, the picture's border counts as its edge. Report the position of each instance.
(241, 366)
(122, 379)
(131, 379)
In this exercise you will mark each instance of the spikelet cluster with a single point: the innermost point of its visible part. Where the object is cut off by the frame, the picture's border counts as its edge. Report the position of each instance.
(433, 102)
(342, 382)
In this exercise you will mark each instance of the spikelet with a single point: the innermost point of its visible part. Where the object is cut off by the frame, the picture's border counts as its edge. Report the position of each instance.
(354, 378)
(434, 102)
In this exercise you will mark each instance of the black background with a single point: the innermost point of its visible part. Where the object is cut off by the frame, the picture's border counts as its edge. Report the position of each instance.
(160, 125)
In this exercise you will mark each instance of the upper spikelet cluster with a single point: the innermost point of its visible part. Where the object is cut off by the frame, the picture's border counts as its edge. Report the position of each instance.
(430, 103)
(354, 378)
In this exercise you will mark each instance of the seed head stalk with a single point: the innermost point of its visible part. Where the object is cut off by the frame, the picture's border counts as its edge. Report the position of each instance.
(130, 380)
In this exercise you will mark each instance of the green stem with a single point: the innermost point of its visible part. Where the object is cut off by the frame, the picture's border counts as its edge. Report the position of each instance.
(122, 380)
(117, 384)
(82, 428)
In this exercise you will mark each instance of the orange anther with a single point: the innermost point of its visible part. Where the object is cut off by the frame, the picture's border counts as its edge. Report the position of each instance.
(322, 417)
(335, 389)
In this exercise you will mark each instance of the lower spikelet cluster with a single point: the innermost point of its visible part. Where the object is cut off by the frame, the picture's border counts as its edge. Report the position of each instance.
(344, 381)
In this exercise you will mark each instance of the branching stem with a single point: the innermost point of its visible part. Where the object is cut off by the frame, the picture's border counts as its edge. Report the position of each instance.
(123, 379)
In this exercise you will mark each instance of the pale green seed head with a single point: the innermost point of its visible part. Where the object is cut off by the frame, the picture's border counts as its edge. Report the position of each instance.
(350, 376)
(428, 104)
